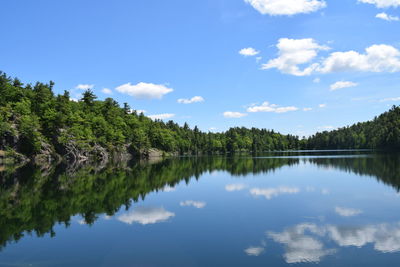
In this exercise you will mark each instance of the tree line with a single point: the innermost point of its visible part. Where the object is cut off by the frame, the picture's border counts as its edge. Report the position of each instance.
(36, 121)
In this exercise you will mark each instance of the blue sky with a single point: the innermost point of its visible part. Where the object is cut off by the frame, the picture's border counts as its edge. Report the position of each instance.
(296, 66)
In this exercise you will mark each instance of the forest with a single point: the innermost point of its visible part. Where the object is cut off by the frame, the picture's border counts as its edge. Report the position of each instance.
(37, 123)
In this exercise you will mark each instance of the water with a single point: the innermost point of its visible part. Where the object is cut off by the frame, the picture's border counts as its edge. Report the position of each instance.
(327, 208)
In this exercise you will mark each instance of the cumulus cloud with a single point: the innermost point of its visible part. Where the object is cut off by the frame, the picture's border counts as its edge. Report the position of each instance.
(347, 212)
(146, 215)
(270, 193)
(317, 80)
(196, 204)
(286, 7)
(297, 57)
(377, 58)
(232, 114)
(106, 91)
(247, 52)
(322, 105)
(387, 17)
(144, 90)
(307, 109)
(235, 187)
(84, 86)
(382, 3)
(162, 116)
(267, 107)
(254, 251)
(194, 99)
(295, 52)
(342, 84)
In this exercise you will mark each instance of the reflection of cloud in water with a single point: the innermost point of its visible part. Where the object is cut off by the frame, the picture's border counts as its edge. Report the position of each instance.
(385, 237)
(168, 189)
(299, 246)
(254, 251)
(235, 187)
(347, 212)
(269, 193)
(196, 204)
(325, 191)
(146, 215)
(303, 243)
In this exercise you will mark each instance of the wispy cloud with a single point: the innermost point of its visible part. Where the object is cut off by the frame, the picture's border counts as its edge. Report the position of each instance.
(233, 114)
(270, 193)
(192, 100)
(267, 107)
(347, 212)
(196, 204)
(342, 84)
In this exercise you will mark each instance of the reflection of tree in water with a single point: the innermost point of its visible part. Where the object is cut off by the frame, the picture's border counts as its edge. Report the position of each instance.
(385, 167)
(34, 200)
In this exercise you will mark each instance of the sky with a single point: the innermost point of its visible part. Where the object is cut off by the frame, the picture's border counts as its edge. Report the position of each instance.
(295, 66)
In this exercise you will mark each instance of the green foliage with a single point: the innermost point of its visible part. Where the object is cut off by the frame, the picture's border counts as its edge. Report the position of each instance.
(43, 118)
(381, 133)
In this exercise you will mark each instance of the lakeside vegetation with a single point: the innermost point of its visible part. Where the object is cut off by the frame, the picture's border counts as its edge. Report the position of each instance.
(36, 123)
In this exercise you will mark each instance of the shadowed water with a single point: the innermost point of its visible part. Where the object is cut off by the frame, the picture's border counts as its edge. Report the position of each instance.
(331, 208)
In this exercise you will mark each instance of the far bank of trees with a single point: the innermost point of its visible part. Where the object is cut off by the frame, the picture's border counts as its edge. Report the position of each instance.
(34, 120)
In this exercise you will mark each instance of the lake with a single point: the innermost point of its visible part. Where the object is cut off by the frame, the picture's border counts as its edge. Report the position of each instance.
(331, 208)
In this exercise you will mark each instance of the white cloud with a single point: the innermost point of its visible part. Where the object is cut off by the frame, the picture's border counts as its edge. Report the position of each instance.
(269, 193)
(248, 52)
(254, 251)
(347, 212)
(145, 215)
(232, 114)
(106, 91)
(84, 86)
(391, 99)
(196, 204)
(297, 57)
(317, 80)
(144, 90)
(322, 105)
(267, 107)
(235, 187)
(377, 58)
(286, 7)
(293, 53)
(194, 99)
(163, 116)
(138, 111)
(382, 3)
(387, 17)
(342, 84)
(307, 109)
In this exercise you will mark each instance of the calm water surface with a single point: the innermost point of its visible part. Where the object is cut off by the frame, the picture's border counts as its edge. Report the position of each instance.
(326, 208)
